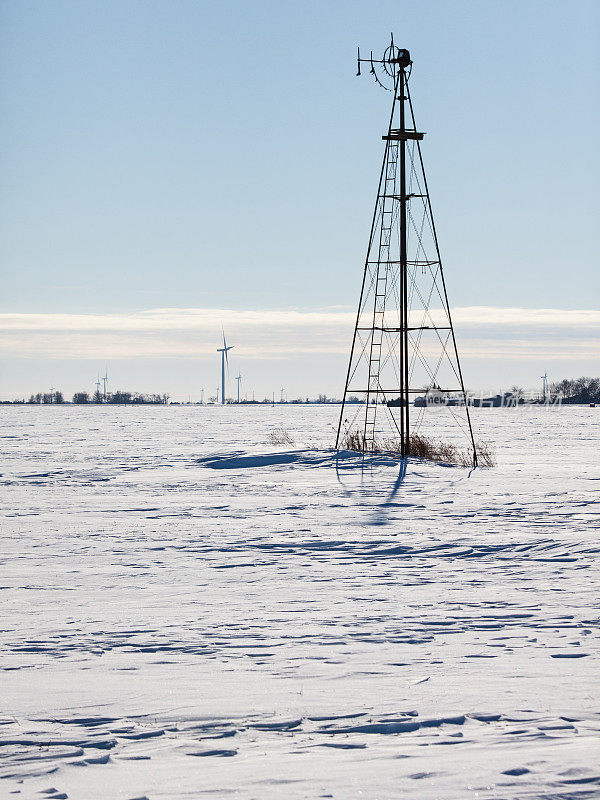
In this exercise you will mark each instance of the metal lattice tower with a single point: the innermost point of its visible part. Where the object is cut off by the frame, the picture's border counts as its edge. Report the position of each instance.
(404, 343)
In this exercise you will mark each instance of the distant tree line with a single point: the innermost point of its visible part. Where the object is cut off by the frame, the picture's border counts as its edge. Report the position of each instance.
(571, 391)
(120, 398)
(580, 390)
(47, 398)
(84, 398)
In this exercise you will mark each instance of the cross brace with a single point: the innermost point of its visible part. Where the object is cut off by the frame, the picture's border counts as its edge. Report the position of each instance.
(399, 330)
(396, 135)
(392, 391)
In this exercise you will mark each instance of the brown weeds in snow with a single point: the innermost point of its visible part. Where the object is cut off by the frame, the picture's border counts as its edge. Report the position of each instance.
(280, 437)
(421, 447)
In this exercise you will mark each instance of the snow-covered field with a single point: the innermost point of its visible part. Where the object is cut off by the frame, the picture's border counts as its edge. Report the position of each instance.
(185, 615)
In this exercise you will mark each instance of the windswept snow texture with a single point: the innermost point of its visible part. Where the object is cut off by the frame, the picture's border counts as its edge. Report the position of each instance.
(188, 611)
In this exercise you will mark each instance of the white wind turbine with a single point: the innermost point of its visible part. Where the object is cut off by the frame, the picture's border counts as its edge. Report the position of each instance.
(544, 384)
(224, 359)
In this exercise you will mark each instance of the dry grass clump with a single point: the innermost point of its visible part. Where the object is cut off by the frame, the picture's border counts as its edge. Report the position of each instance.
(422, 447)
(280, 437)
(432, 450)
(354, 440)
(485, 454)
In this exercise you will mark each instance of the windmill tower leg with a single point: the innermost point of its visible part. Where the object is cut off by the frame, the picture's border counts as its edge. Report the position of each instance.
(404, 430)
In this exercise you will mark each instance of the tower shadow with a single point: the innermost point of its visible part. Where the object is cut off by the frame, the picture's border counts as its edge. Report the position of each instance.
(380, 510)
(381, 515)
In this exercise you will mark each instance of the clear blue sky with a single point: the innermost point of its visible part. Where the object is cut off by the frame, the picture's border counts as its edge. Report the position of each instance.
(223, 155)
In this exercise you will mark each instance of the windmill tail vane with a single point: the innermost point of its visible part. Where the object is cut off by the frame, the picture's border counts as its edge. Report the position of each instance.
(404, 345)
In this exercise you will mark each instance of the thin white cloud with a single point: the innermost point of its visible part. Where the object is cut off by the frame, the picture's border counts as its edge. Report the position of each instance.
(159, 319)
(527, 317)
(483, 332)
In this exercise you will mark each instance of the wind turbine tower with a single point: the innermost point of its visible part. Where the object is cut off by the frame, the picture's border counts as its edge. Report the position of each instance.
(224, 360)
(202, 396)
(98, 388)
(544, 385)
(282, 391)
(238, 378)
(105, 379)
